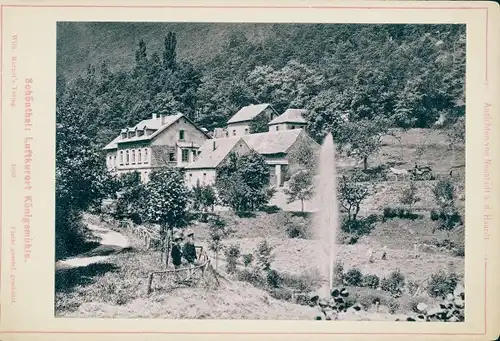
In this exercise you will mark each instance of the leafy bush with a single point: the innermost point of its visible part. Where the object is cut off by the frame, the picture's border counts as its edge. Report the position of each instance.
(296, 230)
(306, 282)
(232, 254)
(264, 255)
(442, 283)
(409, 195)
(273, 278)
(348, 238)
(451, 309)
(399, 212)
(359, 226)
(282, 294)
(367, 299)
(371, 281)
(353, 277)
(247, 259)
(270, 209)
(434, 215)
(394, 283)
(251, 276)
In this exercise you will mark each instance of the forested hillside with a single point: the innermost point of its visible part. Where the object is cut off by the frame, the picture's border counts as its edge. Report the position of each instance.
(115, 74)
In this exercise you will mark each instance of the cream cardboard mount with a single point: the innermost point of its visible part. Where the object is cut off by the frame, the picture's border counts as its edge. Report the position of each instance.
(205, 109)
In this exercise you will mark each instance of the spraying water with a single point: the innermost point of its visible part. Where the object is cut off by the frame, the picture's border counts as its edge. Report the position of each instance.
(326, 224)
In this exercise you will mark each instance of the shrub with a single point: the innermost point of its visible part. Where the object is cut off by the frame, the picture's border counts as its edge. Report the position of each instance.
(371, 281)
(434, 215)
(264, 255)
(359, 226)
(247, 259)
(348, 238)
(367, 299)
(442, 284)
(409, 195)
(282, 294)
(399, 212)
(451, 309)
(394, 283)
(303, 283)
(251, 276)
(270, 209)
(273, 278)
(353, 277)
(296, 230)
(232, 254)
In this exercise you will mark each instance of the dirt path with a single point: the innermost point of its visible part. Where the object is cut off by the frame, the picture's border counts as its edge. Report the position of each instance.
(111, 242)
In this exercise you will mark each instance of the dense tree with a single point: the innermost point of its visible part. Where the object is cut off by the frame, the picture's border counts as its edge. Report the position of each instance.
(352, 194)
(166, 202)
(363, 138)
(243, 182)
(81, 178)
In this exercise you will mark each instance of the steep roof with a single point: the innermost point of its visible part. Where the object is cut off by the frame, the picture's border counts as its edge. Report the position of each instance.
(210, 158)
(290, 116)
(248, 113)
(153, 124)
(273, 142)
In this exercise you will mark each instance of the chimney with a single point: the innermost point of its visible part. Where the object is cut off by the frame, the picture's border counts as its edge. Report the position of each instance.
(214, 146)
(162, 117)
(154, 116)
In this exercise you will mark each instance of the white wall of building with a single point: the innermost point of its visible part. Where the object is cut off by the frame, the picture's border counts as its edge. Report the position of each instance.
(205, 176)
(286, 126)
(238, 129)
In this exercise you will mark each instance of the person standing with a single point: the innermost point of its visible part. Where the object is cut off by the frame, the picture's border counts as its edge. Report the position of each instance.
(189, 252)
(176, 255)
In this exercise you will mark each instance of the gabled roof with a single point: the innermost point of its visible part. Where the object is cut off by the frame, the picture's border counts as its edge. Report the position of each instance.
(290, 116)
(273, 142)
(210, 158)
(248, 113)
(153, 124)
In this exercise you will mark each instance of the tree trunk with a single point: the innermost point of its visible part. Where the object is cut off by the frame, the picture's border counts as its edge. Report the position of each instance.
(365, 163)
(216, 258)
(169, 242)
(355, 213)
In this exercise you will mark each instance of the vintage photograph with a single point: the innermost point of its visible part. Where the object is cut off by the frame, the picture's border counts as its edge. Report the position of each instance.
(260, 171)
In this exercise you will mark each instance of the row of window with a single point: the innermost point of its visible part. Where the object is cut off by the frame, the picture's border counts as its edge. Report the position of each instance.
(134, 156)
(140, 156)
(246, 130)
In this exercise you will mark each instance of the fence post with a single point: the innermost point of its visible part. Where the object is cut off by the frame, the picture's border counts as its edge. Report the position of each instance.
(150, 282)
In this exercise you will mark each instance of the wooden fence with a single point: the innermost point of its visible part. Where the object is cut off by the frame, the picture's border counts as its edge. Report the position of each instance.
(202, 265)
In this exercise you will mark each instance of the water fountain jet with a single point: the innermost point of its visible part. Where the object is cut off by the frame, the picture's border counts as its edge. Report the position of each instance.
(327, 216)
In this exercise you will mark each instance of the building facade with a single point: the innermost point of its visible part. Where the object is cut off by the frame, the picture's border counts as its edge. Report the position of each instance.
(163, 140)
(240, 123)
(289, 120)
(213, 154)
(276, 146)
